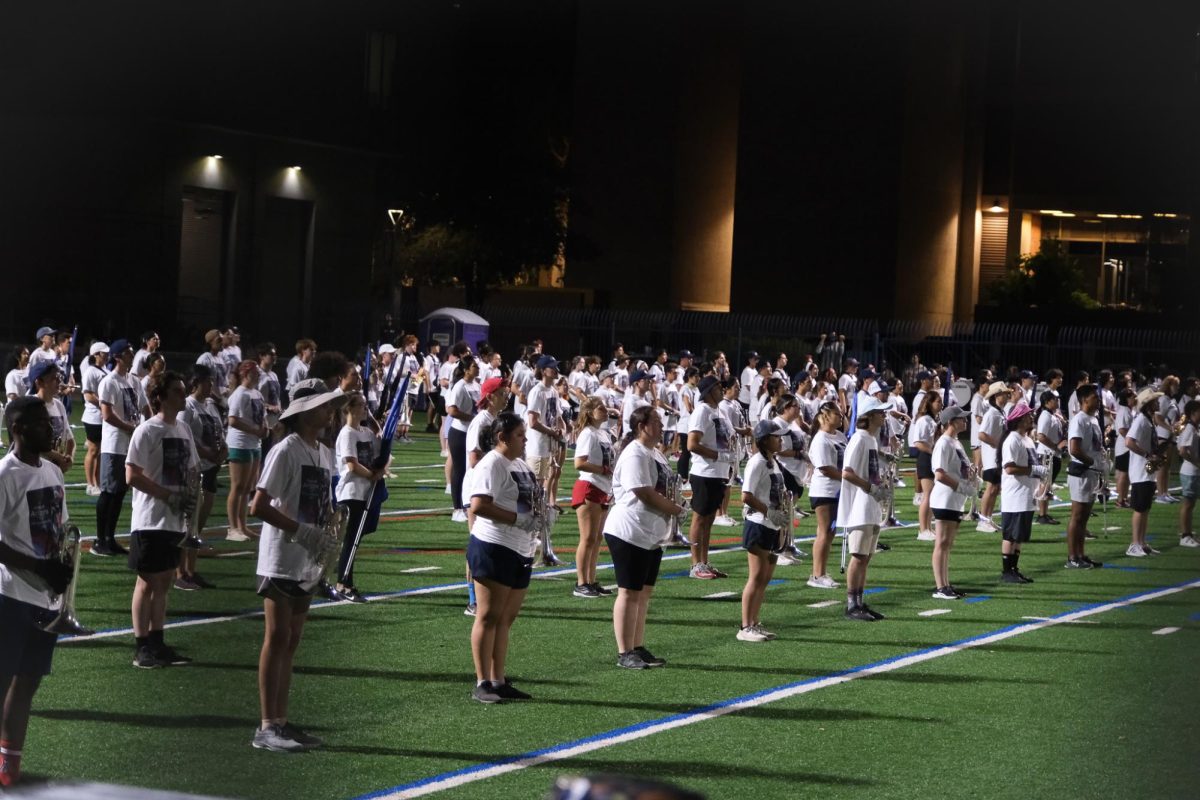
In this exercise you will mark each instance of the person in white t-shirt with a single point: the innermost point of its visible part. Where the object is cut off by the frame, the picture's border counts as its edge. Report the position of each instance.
(122, 407)
(1126, 403)
(493, 399)
(408, 362)
(547, 438)
(859, 511)
(923, 438)
(356, 451)
(246, 428)
(1165, 416)
(826, 451)
(793, 460)
(214, 359)
(955, 482)
(433, 385)
(710, 441)
(205, 421)
(634, 530)
(33, 578)
(45, 351)
(271, 391)
(978, 408)
(637, 394)
(1189, 471)
(1145, 453)
(688, 400)
(732, 411)
(161, 457)
(1021, 475)
(44, 378)
(991, 432)
(591, 496)
(16, 380)
(1051, 438)
(748, 381)
(297, 368)
(460, 409)
(848, 383)
(1086, 472)
(150, 344)
(90, 376)
(766, 524)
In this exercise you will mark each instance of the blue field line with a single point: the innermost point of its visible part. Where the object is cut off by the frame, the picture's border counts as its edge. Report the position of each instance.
(696, 712)
(1124, 568)
(875, 590)
(1195, 617)
(776, 582)
(978, 598)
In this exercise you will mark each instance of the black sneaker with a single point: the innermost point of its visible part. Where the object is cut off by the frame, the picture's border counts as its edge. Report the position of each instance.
(296, 735)
(874, 614)
(882, 547)
(961, 594)
(352, 594)
(1094, 564)
(585, 590)
(168, 655)
(329, 592)
(509, 692)
(1021, 578)
(1076, 563)
(860, 613)
(203, 584)
(631, 660)
(485, 693)
(102, 549)
(600, 590)
(145, 658)
(1010, 577)
(650, 659)
(117, 548)
(1046, 519)
(944, 593)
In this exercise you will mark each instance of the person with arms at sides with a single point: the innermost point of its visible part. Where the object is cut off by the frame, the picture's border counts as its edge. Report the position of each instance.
(612, 403)
(523, 379)
(848, 383)
(749, 381)
(1082, 378)
(1086, 448)
(637, 394)
(204, 420)
(408, 363)
(687, 404)
(923, 437)
(292, 500)
(62, 358)
(247, 427)
(793, 462)
(231, 338)
(1049, 434)
(764, 526)
(1189, 471)
(499, 553)
(979, 407)
(898, 421)
(214, 359)
(634, 530)
(16, 381)
(122, 407)
(731, 410)
(44, 378)
(33, 578)
(155, 365)
(460, 408)
(780, 371)
(953, 485)
(493, 399)
(93, 425)
(543, 418)
(826, 451)
(45, 350)
(859, 511)
(1021, 475)
(1126, 405)
(436, 408)
(272, 393)
(161, 454)
(991, 432)
(1144, 453)
(710, 441)
(1165, 417)
(297, 368)
(592, 493)
(356, 449)
(150, 344)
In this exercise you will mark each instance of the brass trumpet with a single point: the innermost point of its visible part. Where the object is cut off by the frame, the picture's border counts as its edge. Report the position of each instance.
(67, 622)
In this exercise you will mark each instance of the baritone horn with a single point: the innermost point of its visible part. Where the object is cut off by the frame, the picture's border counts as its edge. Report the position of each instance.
(1046, 461)
(67, 622)
(194, 493)
(680, 523)
(334, 521)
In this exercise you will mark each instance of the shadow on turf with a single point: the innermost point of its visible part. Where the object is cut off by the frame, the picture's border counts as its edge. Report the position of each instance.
(757, 712)
(358, 673)
(148, 720)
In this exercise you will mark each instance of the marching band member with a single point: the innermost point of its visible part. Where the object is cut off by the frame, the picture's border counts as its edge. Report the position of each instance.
(44, 378)
(501, 489)
(356, 449)
(732, 411)
(613, 400)
(161, 453)
(271, 391)
(1084, 477)
(446, 379)
(1082, 378)
(297, 368)
(859, 512)
(1021, 474)
(1126, 403)
(204, 419)
(1028, 388)
(923, 437)
(460, 408)
(978, 408)
(780, 370)
(523, 379)
(688, 399)
(408, 363)
(1051, 441)
(592, 493)
(543, 418)
(292, 500)
(1189, 471)
(155, 365)
(89, 379)
(493, 399)
(749, 381)
(793, 460)
(45, 350)
(848, 383)
(15, 384)
(827, 453)
(991, 433)
(634, 531)
(1144, 448)
(951, 489)
(122, 406)
(433, 386)
(32, 576)
(637, 394)
(710, 441)
(150, 344)
(215, 361)
(246, 428)
(1165, 416)
(762, 493)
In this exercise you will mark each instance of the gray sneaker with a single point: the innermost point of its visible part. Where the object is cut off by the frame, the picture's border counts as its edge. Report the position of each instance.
(308, 741)
(484, 693)
(275, 739)
(631, 660)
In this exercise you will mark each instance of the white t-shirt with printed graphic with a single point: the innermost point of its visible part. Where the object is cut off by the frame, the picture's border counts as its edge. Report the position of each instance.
(826, 450)
(465, 397)
(1187, 439)
(1050, 426)
(1141, 430)
(1123, 419)
(482, 420)
(510, 484)
(246, 405)
(1086, 429)
(124, 393)
(715, 434)
(993, 426)
(165, 452)
(978, 407)
(949, 457)
(595, 445)
(357, 443)
(1016, 491)
(764, 481)
(204, 420)
(33, 512)
(856, 507)
(297, 478)
(629, 519)
(90, 380)
(542, 400)
(60, 421)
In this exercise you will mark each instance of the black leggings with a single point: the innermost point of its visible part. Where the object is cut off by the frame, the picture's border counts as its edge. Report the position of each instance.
(458, 464)
(1057, 467)
(684, 466)
(356, 509)
(108, 511)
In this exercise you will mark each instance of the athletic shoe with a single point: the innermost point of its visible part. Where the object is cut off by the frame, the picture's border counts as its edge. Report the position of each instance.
(146, 658)
(93, 491)
(167, 655)
(485, 693)
(649, 658)
(860, 614)
(117, 548)
(1009, 577)
(874, 614)
(1021, 577)
(1046, 519)
(1164, 499)
(764, 631)
(509, 692)
(1150, 551)
(328, 591)
(945, 593)
(1076, 563)
(751, 633)
(469, 611)
(186, 585)
(632, 660)
(1135, 551)
(1089, 535)
(798, 553)
(352, 594)
(784, 559)
(802, 514)
(986, 526)
(458, 516)
(882, 547)
(234, 535)
(917, 496)
(926, 536)
(585, 590)
(600, 590)
(201, 582)
(961, 594)
(900, 484)
(102, 549)
(822, 582)
(701, 571)
(1094, 564)
(273, 738)
(724, 521)
(444, 453)
(716, 572)
(1187, 540)
(307, 740)
(448, 491)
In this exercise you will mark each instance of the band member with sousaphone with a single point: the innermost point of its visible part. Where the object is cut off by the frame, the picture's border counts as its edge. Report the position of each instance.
(33, 578)
(768, 520)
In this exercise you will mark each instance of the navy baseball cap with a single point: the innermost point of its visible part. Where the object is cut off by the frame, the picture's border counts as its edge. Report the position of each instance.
(42, 367)
(547, 361)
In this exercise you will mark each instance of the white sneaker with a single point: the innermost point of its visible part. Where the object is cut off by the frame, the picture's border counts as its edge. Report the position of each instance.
(1135, 551)
(785, 560)
(900, 484)
(445, 454)
(751, 633)
(236, 536)
(448, 489)
(1188, 541)
(917, 498)
(725, 521)
(926, 536)
(93, 491)
(764, 631)
(823, 582)
(986, 526)
(1163, 499)
(458, 516)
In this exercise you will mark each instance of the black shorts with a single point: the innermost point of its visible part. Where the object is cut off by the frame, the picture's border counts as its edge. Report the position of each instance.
(27, 650)
(92, 432)
(924, 466)
(760, 536)
(912, 452)
(991, 476)
(636, 567)
(707, 494)
(1016, 526)
(793, 485)
(1121, 462)
(154, 551)
(817, 502)
(498, 563)
(947, 515)
(208, 479)
(290, 589)
(439, 403)
(1141, 496)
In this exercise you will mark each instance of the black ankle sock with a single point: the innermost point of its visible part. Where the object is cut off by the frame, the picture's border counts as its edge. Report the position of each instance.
(142, 641)
(156, 638)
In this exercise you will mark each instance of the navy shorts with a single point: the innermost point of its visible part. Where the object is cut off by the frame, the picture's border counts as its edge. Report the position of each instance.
(498, 563)
(112, 473)
(27, 650)
(636, 567)
(93, 433)
(760, 536)
(154, 551)
(292, 590)
(707, 494)
(817, 502)
(991, 476)
(1016, 526)
(947, 515)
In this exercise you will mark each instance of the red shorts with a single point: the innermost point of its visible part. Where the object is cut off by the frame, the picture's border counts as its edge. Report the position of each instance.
(587, 491)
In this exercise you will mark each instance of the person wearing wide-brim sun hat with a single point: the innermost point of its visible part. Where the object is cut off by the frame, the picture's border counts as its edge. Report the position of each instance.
(991, 431)
(293, 501)
(1021, 475)
(1144, 451)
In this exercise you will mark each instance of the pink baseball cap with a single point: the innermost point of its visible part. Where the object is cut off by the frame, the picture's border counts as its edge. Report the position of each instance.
(1018, 411)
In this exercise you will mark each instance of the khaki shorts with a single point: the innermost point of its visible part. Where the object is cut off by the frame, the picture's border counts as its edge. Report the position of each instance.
(540, 465)
(862, 541)
(1084, 488)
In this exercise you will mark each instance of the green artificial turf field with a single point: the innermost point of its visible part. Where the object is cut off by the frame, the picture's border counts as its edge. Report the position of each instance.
(1101, 706)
